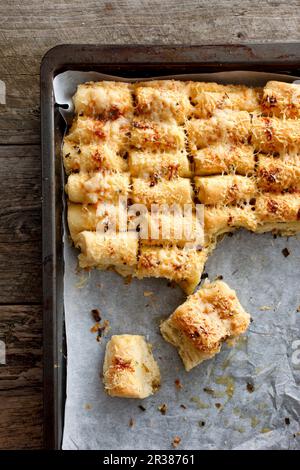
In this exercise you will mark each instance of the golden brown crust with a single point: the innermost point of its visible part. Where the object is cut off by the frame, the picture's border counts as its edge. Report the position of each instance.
(129, 369)
(223, 190)
(281, 99)
(224, 158)
(208, 317)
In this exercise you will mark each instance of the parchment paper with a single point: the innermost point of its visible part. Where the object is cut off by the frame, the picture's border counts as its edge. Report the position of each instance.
(252, 396)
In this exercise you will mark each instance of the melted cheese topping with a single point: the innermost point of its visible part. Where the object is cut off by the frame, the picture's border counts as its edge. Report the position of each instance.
(200, 325)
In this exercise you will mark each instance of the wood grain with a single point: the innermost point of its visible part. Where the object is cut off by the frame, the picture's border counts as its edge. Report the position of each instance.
(21, 377)
(27, 31)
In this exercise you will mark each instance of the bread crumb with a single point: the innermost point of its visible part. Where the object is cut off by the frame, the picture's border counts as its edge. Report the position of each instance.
(176, 442)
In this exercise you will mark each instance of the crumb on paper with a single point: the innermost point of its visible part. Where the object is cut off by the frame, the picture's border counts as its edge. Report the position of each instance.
(163, 408)
(142, 408)
(100, 329)
(287, 421)
(95, 312)
(183, 406)
(209, 391)
(148, 293)
(285, 252)
(87, 406)
(219, 278)
(176, 441)
(250, 387)
(201, 424)
(265, 430)
(131, 422)
(265, 308)
(298, 309)
(178, 384)
(218, 405)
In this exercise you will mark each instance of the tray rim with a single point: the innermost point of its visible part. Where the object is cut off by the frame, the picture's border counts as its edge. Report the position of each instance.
(206, 57)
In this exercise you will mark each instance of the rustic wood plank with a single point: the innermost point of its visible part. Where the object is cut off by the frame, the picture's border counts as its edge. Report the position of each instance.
(20, 228)
(21, 377)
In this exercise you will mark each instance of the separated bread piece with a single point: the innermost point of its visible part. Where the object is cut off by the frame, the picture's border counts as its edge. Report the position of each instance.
(102, 251)
(275, 135)
(184, 266)
(227, 189)
(95, 217)
(163, 101)
(224, 126)
(162, 191)
(274, 174)
(173, 229)
(219, 220)
(153, 135)
(207, 98)
(129, 369)
(224, 158)
(281, 99)
(89, 188)
(199, 326)
(85, 131)
(167, 164)
(278, 212)
(104, 100)
(93, 157)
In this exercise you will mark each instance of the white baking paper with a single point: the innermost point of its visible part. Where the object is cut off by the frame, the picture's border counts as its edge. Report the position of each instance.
(247, 397)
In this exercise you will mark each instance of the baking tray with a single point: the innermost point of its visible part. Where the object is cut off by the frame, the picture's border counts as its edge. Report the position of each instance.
(125, 61)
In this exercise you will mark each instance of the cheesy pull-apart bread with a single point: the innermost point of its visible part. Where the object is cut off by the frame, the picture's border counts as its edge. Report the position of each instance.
(89, 188)
(181, 265)
(167, 164)
(164, 100)
(278, 212)
(155, 190)
(271, 134)
(104, 100)
(209, 97)
(276, 175)
(208, 318)
(281, 99)
(156, 135)
(99, 250)
(93, 157)
(225, 126)
(227, 189)
(224, 158)
(219, 220)
(95, 217)
(129, 369)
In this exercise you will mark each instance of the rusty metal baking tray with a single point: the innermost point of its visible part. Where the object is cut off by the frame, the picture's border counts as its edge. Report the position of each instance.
(125, 61)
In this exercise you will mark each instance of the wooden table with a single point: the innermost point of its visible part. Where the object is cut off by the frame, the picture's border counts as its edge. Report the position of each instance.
(27, 31)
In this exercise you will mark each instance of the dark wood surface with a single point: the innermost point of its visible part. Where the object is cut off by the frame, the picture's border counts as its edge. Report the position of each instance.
(27, 31)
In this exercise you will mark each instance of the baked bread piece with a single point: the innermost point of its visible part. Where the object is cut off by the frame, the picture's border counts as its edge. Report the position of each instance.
(129, 369)
(89, 188)
(184, 266)
(225, 126)
(95, 217)
(281, 99)
(222, 190)
(164, 100)
(219, 220)
(164, 164)
(90, 158)
(224, 158)
(157, 135)
(276, 175)
(201, 324)
(173, 229)
(103, 100)
(279, 213)
(271, 134)
(209, 97)
(86, 130)
(155, 190)
(101, 251)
